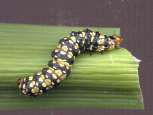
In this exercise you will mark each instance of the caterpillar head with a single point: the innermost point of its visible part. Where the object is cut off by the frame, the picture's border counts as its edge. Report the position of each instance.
(118, 40)
(21, 83)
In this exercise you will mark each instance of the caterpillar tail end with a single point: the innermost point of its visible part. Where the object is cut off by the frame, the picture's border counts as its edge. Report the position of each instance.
(28, 88)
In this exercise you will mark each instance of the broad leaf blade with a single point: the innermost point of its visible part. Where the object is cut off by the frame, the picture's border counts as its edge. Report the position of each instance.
(108, 80)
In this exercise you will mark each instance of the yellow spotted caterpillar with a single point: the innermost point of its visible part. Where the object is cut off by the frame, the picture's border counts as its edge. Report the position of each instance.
(63, 57)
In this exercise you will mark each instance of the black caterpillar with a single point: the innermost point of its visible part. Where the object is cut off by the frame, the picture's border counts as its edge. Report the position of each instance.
(63, 57)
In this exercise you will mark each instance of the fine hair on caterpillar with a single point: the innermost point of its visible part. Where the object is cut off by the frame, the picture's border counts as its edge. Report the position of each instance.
(63, 57)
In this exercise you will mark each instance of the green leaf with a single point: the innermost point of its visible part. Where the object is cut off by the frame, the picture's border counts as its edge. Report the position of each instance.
(109, 80)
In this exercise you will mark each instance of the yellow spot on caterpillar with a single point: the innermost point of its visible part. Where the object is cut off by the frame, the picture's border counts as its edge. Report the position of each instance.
(54, 76)
(93, 33)
(64, 63)
(58, 72)
(47, 82)
(50, 70)
(32, 84)
(53, 83)
(92, 36)
(35, 90)
(70, 55)
(62, 78)
(56, 50)
(61, 64)
(24, 79)
(63, 52)
(40, 79)
(23, 86)
(64, 48)
(100, 48)
(101, 36)
(73, 38)
(30, 78)
(20, 85)
(38, 73)
(71, 41)
(42, 76)
(44, 84)
(76, 46)
(83, 34)
(101, 41)
(58, 81)
(23, 91)
(59, 46)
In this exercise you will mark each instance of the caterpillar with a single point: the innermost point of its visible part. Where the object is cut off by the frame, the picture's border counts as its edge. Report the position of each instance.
(63, 56)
